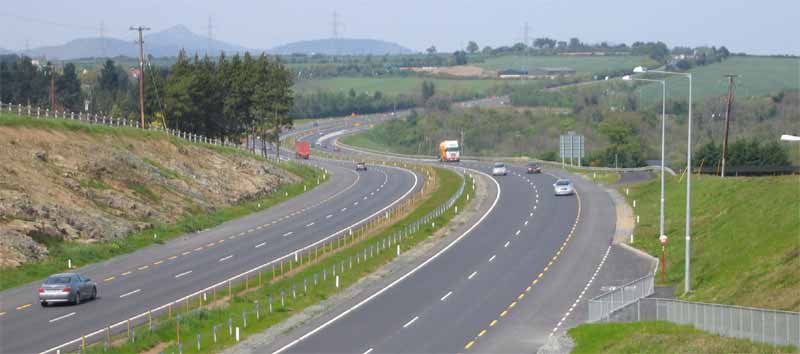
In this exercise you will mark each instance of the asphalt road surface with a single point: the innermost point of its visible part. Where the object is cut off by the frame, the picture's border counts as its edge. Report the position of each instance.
(135, 283)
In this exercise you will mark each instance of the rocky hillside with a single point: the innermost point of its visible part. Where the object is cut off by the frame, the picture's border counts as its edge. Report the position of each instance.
(94, 184)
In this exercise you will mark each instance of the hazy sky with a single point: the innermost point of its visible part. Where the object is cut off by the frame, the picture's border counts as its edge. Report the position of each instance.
(753, 26)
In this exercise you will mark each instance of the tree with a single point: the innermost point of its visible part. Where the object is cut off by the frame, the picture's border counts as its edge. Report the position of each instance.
(575, 44)
(431, 50)
(68, 89)
(428, 90)
(487, 50)
(460, 57)
(519, 47)
(472, 47)
(544, 43)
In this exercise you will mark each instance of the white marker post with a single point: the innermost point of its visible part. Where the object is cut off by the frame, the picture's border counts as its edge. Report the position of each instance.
(398, 250)
(69, 263)
(337, 281)
(237, 333)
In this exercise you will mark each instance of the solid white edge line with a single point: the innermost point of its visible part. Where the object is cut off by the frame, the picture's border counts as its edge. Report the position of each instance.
(411, 272)
(129, 293)
(409, 323)
(182, 274)
(62, 317)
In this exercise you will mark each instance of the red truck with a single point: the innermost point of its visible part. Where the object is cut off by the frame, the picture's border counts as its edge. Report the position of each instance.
(302, 149)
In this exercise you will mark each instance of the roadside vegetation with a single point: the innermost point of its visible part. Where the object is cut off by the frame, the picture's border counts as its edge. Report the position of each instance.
(745, 248)
(196, 218)
(660, 337)
(202, 318)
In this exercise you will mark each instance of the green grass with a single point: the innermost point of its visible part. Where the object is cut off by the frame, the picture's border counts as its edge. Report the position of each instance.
(364, 141)
(745, 245)
(203, 321)
(758, 76)
(84, 254)
(599, 177)
(583, 65)
(660, 337)
(398, 85)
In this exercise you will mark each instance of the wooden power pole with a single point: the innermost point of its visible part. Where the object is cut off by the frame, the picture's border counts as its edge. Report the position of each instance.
(727, 123)
(141, 69)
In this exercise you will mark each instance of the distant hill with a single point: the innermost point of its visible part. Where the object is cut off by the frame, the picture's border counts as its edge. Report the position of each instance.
(341, 46)
(166, 43)
(4, 51)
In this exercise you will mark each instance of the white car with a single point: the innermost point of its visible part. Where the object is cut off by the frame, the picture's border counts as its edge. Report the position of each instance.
(499, 169)
(563, 187)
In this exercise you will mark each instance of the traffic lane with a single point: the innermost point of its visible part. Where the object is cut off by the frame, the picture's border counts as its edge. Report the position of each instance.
(343, 178)
(382, 317)
(495, 284)
(160, 287)
(562, 296)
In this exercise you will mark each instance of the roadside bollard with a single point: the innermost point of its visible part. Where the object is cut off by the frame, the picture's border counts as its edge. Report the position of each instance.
(214, 332)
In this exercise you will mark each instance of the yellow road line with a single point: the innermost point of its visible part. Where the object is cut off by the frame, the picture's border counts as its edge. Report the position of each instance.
(503, 314)
(172, 257)
(221, 241)
(158, 262)
(210, 244)
(185, 253)
(511, 306)
(127, 273)
(23, 307)
(198, 249)
(469, 345)
(528, 289)
(2, 313)
(520, 296)
(482, 333)
(144, 267)
(494, 322)
(109, 279)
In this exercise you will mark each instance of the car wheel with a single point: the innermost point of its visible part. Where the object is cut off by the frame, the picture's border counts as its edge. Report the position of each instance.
(43, 303)
(94, 293)
(77, 298)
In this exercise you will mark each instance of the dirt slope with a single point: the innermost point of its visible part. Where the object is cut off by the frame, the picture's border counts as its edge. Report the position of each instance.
(88, 186)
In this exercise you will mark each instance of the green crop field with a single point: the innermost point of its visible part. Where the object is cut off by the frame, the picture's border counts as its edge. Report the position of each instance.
(396, 85)
(758, 76)
(583, 65)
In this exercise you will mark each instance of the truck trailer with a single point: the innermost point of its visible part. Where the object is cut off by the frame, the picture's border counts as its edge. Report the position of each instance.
(302, 149)
(449, 151)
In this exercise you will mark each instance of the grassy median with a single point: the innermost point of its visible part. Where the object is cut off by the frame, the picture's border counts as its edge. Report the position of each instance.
(313, 283)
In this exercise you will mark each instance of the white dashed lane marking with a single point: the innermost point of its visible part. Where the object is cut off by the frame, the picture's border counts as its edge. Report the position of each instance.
(288, 234)
(472, 275)
(130, 293)
(492, 258)
(329, 216)
(62, 317)
(223, 259)
(261, 244)
(409, 323)
(310, 224)
(446, 296)
(183, 274)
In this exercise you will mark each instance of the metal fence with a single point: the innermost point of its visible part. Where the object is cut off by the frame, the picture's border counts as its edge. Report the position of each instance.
(758, 325)
(603, 306)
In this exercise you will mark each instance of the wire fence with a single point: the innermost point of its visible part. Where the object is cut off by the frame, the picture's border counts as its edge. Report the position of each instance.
(758, 325)
(110, 121)
(199, 302)
(604, 305)
(630, 303)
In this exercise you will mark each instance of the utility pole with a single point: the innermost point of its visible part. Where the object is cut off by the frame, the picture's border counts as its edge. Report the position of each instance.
(335, 25)
(525, 33)
(210, 35)
(727, 122)
(141, 68)
(52, 88)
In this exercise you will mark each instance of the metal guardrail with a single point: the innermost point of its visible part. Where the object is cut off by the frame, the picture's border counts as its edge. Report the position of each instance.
(758, 325)
(604, 305)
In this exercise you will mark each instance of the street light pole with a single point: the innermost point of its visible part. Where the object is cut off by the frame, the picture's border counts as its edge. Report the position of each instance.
(687, 272)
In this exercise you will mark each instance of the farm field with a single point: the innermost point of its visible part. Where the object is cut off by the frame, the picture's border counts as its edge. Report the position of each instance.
(758, 76)
(397, 85)
(583, 65)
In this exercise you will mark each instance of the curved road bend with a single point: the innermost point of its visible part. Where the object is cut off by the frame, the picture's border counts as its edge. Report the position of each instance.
(132, 284)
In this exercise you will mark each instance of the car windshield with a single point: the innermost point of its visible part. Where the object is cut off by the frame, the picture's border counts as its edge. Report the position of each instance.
(451, 149)
(57, 280)
(497, 165)
(562, 183)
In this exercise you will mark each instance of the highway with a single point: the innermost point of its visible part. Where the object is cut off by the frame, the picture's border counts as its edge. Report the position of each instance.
(511, 282)
(135, 283)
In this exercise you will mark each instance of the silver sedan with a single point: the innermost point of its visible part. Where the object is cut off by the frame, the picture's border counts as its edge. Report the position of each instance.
(563, 187)
(67, 287)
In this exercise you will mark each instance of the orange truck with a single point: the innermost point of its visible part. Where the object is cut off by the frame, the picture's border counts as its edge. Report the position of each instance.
(302, 149)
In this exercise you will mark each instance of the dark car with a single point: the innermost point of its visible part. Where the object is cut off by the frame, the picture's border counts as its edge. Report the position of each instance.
(67, 287)
(534, 168)
(361, 166)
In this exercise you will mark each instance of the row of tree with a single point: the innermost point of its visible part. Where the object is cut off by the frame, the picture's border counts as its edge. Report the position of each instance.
(25, 81)
(329, 104)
